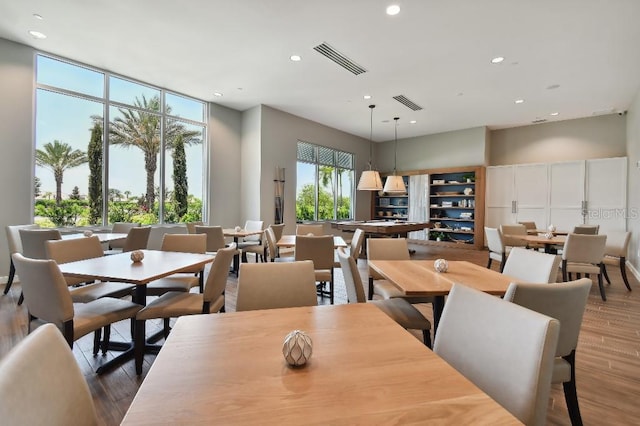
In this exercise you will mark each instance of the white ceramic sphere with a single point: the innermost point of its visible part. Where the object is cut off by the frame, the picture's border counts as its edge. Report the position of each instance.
(551, 228)
(238, 229)
(441, 265)
(88, 233)
(137, 256)
(297, 348)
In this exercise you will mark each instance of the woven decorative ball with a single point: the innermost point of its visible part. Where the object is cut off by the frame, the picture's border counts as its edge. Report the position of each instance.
(297, 348)
(551, 228)
(88, 233)
(548, 235)
(137, 256)
(441, 265)
(238, 229)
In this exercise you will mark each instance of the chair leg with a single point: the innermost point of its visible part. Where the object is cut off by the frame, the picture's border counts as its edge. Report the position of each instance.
(564, 271)
(489, 263)
(107, 338)
(571, 394)
(370, 288)
(426, 338)
(21, 299)
(166, 328)
(12, 273)
(606, 276)
(97, 336)
(331, 292)
(600, 284)
(623, 271)
(139, 345)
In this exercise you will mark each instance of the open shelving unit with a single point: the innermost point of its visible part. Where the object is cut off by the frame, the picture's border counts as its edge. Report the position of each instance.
(391, 206)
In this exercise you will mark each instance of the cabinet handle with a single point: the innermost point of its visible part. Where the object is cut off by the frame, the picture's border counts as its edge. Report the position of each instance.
(514, 208)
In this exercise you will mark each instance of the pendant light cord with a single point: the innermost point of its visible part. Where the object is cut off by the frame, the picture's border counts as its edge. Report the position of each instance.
(371, 107)
(395, 150)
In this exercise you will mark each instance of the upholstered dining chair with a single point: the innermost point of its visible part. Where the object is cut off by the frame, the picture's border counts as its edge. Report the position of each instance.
(191, 226)
(388, 249)
(121, 228)
(583, 254)
(183, 280)
(175, 304)
(586, 229)
(33, 244)
(615, 253)
(397, 308)
(510, 235)
(48, 301)
(318, 249)
(272, 252)
(215, 237)
(137, 239)
(278, 231)
(565, 302)
(307, 228)
(532, 266)
(247, 243)
(354, 247)
(276, 285)
(41, 383)
(65, 251)
(495, 244)
(15, 246)
(506, 350)
(529, 225)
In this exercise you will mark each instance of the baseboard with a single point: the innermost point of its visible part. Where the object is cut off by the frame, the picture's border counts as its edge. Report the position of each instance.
(633, 270)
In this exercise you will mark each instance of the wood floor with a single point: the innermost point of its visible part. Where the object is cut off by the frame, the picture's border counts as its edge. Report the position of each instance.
(608, 355)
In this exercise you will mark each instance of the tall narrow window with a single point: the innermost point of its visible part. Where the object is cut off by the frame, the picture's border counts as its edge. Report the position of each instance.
(324, 183)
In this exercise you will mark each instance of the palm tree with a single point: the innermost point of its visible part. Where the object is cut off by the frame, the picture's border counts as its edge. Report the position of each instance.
(140, 128)
(58, 157)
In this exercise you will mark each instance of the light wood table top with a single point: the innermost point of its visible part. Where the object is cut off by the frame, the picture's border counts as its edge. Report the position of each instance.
(419, 278)
(381, 227)
(242, 233)
(103, 237)
(290, 241)
(119, 267)
(544, 231)
(365, 369)
(540, 239)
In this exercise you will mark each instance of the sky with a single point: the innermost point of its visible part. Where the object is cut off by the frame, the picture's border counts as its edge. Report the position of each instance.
(68, 119)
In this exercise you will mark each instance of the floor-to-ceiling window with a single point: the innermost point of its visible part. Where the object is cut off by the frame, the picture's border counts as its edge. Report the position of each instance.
(324, 183)
(109, 149)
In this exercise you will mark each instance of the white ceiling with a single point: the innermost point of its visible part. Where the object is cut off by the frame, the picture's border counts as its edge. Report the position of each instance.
(437, 53)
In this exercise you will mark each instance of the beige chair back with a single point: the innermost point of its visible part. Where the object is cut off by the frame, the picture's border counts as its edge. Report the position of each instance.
(13, 236)
(253, 225)
(215, 237)
(65, 251)
(121, 228)
(583, 248)
(386, 249)
(186, 243)
(494, 241)
(45, 290)
(506, 350)
(306, 229)
(191, 226)
(529, 225)
(352, 280)
(318, 249)
(218, 274)
(278, 230)
(531, 266)
(137, 239)
(356, 243)
(565, 302)
(270, 238)
(276, 285)
(158, 232)
(617, 243)
(41, 383)
(33, 241)
(586, 229)
(508, 235)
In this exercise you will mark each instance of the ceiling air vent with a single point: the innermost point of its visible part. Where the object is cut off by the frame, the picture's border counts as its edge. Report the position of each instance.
(539, 120)
(337, 57)
(407, 102)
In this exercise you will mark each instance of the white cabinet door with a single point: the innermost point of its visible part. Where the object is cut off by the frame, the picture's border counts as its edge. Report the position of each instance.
(532, 193)
(566, 194)
(606, 191)
(499, 196)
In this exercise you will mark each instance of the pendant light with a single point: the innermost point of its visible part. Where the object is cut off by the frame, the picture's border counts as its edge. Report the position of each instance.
(370, 179)
(395, 184)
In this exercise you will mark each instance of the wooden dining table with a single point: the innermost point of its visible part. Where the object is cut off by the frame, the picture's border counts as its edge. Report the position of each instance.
(419, 278)
(550, 244)
(104, 237)
(290, 241)
(365, 369)
(238, 234)
(119, 267)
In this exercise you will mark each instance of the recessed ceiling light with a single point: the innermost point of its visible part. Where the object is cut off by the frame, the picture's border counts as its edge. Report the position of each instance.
(218, 94)
(38, 17)
(554, 113)
(519, 101)
(295, 58)
(497, 60)
(413, 122)
(37, 34)
(367, 96)
(394, 9)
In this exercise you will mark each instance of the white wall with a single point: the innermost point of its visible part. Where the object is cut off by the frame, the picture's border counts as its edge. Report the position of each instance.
(633, 186)
(450, 149)
(580, 139)
(280, 134)
(224, 172)
(250, 166)
(17, 81)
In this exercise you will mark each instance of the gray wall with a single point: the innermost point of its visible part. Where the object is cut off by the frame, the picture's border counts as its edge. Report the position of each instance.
(250, 166)
(580, 139)
(450, 149)
(17, 81)
(633, 188)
